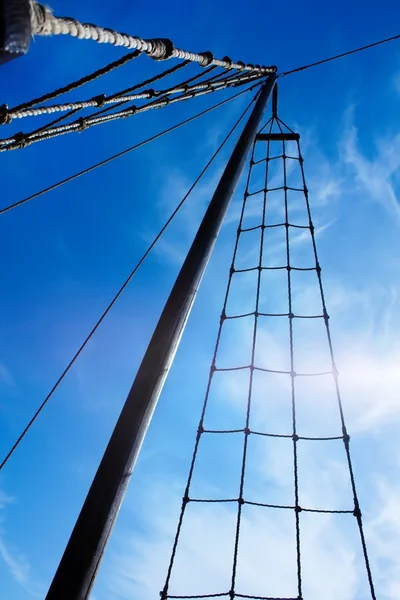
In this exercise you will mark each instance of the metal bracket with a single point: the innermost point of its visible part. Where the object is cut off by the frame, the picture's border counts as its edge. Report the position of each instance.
(15, 29)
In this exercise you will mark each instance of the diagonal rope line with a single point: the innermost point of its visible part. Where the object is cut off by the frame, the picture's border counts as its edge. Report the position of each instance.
(117, 98)
(123, 287)
(80, 82)
(292, 374)
(121, 102)
(346, 437)
(122, 153)
(22, 140)
(253, 356)
(7, 115)
(337, 56)
(44, 22)
(131, 89)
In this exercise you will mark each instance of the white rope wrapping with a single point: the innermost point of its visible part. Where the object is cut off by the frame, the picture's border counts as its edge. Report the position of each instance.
(44, 22)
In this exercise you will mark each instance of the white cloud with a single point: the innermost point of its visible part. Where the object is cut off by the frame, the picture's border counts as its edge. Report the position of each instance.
(374, 177)
(396, 82)
(4, 500)
(6, 377)
(17, 564)
(384, 533)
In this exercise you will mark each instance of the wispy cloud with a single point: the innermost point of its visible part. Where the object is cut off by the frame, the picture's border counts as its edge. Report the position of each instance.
(384, 531)
(6, 377)
(203, 563)
(17, 564)
(373, 176)
(396, 82)
(172, 247)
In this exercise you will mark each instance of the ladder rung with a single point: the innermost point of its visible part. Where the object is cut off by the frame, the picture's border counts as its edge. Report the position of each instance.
(276, 137)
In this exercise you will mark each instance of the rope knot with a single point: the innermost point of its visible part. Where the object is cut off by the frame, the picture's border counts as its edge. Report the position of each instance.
(228, 61)
(5, 117)
(20, 139)
(100, 100)
(82, 124)
(160, 49)
(206, 58)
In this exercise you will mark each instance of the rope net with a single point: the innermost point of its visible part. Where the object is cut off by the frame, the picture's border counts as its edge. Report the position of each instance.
(266, 361)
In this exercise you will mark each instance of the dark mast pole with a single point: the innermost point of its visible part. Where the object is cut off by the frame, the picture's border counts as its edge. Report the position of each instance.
(77, 570)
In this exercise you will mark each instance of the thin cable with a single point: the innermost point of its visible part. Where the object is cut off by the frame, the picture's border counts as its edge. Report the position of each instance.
(123, 152)
(123, 287)
(326, 60)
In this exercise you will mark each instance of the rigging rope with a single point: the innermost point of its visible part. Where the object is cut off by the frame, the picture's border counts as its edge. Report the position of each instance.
(87, 79)
(5, 112)
(21, 140)
(247, 431)
(44, 22)
(122, 153)
(115, 98)
(124, 286)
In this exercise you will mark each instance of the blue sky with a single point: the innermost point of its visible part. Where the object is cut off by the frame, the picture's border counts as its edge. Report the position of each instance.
(65, 254)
